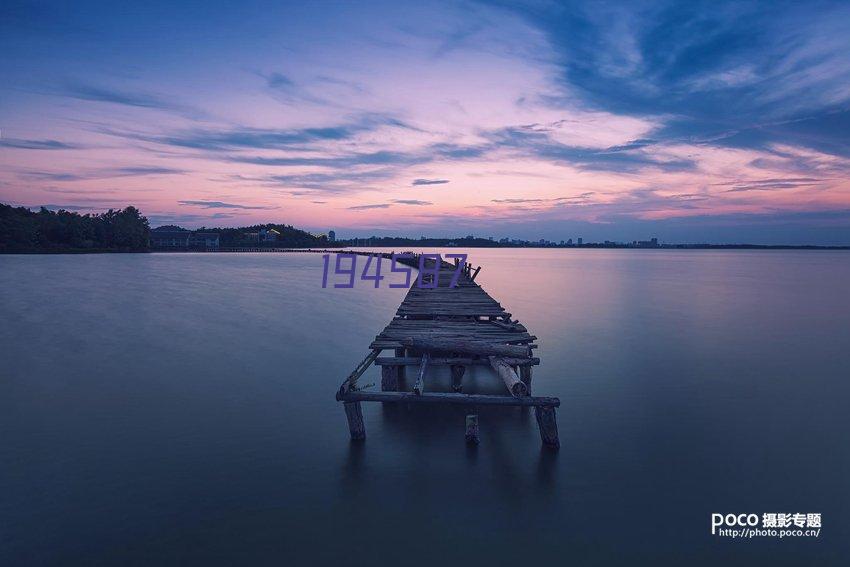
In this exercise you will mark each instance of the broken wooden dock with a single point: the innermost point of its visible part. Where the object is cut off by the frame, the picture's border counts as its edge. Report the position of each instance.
(457, 327)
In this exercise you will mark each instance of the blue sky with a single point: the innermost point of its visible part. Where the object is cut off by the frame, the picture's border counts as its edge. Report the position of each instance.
(693, 122)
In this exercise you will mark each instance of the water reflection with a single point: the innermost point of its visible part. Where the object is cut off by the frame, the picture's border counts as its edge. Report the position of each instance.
(192, 396)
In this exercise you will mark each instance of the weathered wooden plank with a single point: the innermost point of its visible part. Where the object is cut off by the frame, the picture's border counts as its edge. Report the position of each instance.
(515, 386)
(442, 361)
(449, 398)
(479, 348)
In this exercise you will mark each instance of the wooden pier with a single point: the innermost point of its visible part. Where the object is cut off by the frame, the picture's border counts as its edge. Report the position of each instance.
(457, 327)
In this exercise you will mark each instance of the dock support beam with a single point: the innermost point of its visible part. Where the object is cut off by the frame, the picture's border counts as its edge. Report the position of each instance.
(525, 376)
(548, 426)
(355, 420)
(457, 377)
(419, 387)
(399, 352)
(472, 429)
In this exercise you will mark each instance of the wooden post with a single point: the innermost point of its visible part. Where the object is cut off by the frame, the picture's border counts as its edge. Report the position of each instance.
(512, 381)
(419, 387)
(457, 377)
(525, 376)
(472, 429)
(548, 426)
(355, 420)
(399, 352)
(389, 378)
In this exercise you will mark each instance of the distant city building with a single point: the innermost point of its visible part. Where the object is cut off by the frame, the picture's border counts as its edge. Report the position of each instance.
(166, 237)
(173, 237)
(652, 243)
(580, 241)
(331, 236)
(203, 240)
(570, 242)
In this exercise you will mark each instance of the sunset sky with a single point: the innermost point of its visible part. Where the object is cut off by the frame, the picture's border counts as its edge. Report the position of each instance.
(688, 121)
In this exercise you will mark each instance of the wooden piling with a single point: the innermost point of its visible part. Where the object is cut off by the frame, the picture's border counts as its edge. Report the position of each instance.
(458, 371)
(548, 426)
(525, 376)
(472, 429)
(355, 420)
(399, 352)
(389, 378)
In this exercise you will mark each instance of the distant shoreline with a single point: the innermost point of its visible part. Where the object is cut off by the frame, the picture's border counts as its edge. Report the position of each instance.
(261, 250)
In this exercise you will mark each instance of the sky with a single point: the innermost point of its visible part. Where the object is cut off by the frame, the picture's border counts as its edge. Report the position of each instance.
(687, 121)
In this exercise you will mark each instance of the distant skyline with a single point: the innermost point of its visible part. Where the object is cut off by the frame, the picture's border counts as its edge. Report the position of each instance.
(690, 122)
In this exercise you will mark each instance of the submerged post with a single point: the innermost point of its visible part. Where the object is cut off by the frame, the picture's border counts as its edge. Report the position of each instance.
(548, 426)
(472, 429)
(355, 420)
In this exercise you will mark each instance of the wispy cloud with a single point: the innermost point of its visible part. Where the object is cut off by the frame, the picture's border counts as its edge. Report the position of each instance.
(368, 207)
(539, 143)
(123, 97)
(36, 144)
(771, 184)
(247, 138)
(517, 201)
(221, 205)
(429, 181)
(412, 202)
(132, 171)
(279, 81)
(158, 219)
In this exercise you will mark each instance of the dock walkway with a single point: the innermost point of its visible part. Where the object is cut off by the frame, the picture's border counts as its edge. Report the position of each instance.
(455, 326)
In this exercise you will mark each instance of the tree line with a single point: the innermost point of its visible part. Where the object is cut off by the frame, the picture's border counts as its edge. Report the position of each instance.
(23, 230)
(289, 236)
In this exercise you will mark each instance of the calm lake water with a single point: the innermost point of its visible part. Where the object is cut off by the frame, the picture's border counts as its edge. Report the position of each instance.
(168, 409)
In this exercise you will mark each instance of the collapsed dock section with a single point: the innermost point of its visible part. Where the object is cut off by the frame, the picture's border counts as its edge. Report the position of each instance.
(457, 324)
